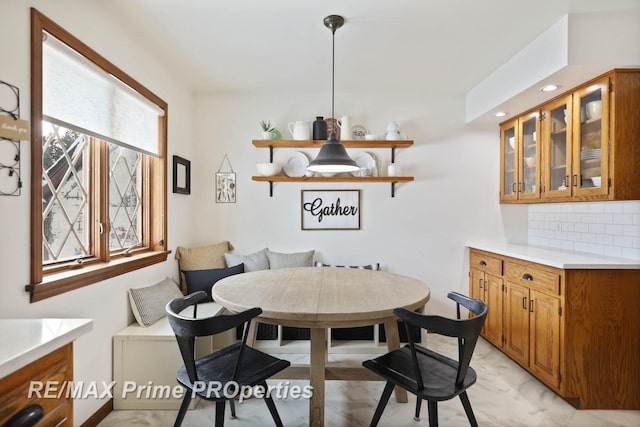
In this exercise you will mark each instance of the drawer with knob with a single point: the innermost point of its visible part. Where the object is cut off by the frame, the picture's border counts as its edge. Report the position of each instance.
(535, 277)
(483, 262)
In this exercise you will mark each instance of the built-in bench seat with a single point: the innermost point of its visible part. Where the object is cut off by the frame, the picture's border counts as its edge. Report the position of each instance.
(149, 356)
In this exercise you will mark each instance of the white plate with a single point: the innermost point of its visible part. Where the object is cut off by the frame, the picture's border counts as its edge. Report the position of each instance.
(364, 160)
(296, 165)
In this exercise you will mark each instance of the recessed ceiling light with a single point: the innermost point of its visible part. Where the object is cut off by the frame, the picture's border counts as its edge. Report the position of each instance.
(549, 88)
(500, 114)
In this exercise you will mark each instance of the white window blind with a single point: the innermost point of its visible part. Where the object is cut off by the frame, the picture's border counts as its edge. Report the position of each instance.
(78, 94)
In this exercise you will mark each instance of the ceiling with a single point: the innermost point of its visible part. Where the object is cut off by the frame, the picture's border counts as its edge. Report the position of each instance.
(424, 46)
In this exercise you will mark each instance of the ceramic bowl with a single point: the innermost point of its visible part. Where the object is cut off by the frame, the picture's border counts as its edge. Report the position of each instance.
(370, 137)
(268, 169)
(597, 181)
(593, 109)
(512, 142)
(530, 161)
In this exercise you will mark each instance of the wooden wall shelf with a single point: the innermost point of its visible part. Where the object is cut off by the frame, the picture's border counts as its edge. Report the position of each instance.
(288, 143)
(354, 143)
(282, 178)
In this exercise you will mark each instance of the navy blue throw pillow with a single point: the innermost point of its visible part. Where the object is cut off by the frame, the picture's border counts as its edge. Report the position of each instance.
(203, 280)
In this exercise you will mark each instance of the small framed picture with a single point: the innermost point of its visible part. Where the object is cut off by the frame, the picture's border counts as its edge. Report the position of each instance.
(181, 175)
(330, 210)
(225, 187)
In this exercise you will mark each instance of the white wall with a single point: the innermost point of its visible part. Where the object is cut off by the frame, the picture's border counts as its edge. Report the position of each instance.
(421, 232)
(106, 302)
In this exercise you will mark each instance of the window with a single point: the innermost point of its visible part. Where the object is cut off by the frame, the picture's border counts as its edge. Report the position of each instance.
(98, 166)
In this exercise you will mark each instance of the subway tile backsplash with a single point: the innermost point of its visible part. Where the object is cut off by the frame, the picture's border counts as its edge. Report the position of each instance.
(600, 228)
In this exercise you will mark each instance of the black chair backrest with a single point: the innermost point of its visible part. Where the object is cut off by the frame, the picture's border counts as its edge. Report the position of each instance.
(466, 330)
(187, 328)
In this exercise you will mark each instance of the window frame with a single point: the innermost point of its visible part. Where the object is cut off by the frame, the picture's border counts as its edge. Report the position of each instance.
(53, 280)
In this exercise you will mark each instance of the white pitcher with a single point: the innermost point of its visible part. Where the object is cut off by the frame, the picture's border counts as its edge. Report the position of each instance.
(300, 130)
(393, 131)
(345, 127)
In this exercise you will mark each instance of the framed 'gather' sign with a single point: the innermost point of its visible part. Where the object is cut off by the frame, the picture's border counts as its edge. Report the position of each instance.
(331, 209)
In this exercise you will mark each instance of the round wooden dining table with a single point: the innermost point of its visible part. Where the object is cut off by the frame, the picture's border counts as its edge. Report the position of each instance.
(321, 298)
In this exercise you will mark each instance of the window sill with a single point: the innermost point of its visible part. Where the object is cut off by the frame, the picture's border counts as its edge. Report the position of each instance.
(68, 280)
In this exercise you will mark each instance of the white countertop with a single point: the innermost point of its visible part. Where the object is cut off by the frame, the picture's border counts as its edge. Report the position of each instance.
(558, 258)
(23, 341)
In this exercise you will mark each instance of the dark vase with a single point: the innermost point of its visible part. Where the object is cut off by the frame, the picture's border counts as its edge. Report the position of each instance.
(319, 128)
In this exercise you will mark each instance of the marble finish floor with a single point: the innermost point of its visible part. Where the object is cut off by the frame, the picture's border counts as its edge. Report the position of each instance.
(504, 395)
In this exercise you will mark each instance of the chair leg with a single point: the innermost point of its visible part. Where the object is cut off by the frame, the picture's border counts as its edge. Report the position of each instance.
(183, 408)
(433, 413)
(386, 394)
(220, 404)
(418, 405)
(232, 405)
(272, 407)
(467, 408)
(273, 410)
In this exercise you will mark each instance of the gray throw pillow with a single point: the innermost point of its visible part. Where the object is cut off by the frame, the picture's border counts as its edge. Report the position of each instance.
(148, 303)
(297, 259)
(252, 262)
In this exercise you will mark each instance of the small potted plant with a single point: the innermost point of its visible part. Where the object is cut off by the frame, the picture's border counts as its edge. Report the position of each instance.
(267, 129)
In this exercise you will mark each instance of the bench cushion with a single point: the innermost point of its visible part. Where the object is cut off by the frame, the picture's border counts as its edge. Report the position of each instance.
(162, 329)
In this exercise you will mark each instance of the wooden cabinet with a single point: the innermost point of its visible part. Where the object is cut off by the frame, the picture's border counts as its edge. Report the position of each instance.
(520, 177)
(584, 147)
(573, 329)
(55, 368)
(393, 145)
(557, 149)
(508, 161)
(516, 319)
(544, 338)
(532, 319)
(485, 283)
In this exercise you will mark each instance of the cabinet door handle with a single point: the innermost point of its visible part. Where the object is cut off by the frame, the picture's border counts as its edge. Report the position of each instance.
(485, 286)
(524, 302)
(483, 263)
(480, 283)
(574, 180)
(513, 187)
(531, 306)
(527, 276)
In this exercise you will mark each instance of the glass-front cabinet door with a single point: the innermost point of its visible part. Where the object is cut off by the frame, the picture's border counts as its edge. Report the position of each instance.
(528, 185)
(591, 139)
(556, 143)
(508, 163)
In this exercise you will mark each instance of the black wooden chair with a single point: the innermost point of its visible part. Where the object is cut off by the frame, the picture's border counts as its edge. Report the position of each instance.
(429, 375)
(237, 363)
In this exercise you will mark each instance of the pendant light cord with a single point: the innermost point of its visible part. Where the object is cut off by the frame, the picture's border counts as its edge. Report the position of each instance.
(333, 71)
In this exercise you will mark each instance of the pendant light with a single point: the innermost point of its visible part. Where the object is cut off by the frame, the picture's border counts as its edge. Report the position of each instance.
(333, 157)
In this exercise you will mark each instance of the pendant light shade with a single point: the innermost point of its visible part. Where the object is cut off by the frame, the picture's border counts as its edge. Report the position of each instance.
(333, 157)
